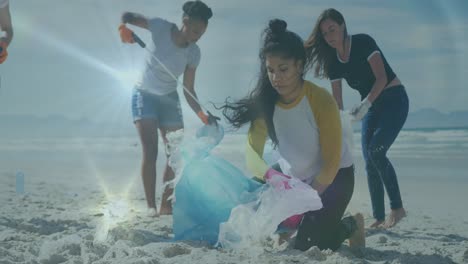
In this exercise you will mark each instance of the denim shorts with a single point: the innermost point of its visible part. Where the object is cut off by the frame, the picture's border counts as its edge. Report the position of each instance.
(164, 109)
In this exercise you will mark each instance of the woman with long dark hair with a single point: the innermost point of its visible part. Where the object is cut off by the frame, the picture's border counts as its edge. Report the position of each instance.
(383, 109)
(303, 122)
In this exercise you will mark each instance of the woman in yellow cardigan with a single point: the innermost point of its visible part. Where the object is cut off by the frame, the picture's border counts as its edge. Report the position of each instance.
(303, 122)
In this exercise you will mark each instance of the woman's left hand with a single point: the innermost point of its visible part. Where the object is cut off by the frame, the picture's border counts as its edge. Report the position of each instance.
(320, 188)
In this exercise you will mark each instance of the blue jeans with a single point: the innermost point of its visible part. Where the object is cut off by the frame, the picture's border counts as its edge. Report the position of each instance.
(380, 127)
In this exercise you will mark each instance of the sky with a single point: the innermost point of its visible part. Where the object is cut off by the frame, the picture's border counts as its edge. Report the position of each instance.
(66, 57)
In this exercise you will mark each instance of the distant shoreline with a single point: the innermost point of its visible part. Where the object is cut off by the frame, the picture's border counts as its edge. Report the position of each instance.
(428, 129)
(89, 132)
(436, 128)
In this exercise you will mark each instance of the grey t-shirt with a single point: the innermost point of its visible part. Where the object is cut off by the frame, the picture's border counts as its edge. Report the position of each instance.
(155, 78)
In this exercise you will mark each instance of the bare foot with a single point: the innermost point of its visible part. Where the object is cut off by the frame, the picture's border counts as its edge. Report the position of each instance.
(152, 212)
(358, 238)
(394, 217)
(166, 203)
(166, 208)
(377, 224)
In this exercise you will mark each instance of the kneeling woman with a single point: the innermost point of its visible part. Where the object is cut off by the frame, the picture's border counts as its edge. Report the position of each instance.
(303, 121)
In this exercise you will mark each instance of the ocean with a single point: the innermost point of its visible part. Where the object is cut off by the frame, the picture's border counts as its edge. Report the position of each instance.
(435, 157)
(436, 153)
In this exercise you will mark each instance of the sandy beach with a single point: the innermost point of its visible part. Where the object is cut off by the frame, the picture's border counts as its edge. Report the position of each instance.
(72, 185)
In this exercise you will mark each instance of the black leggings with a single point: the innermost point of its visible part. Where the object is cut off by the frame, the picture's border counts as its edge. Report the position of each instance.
(325, 228)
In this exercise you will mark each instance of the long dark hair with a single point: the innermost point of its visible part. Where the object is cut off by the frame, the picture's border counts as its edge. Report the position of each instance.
(319, 53)
(260, 103)
(197, 10)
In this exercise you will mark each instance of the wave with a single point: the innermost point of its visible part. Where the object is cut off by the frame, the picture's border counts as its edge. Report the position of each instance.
(410, 142)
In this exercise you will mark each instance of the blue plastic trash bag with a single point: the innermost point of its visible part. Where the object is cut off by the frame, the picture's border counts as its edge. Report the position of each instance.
(216, 203)
(208, 189)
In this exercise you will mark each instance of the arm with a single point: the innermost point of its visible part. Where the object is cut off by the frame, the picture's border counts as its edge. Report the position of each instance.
(328, 121)
(371, 52)
(378, 69)
(189, 81)
(6, 25)
(337, 92)
(135, 19)
(257, 137)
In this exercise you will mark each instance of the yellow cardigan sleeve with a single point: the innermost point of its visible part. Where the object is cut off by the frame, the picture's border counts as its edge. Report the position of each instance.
(327, 116)
(257, 137)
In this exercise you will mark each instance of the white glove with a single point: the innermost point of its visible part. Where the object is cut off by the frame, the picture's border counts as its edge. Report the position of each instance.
(360, 110)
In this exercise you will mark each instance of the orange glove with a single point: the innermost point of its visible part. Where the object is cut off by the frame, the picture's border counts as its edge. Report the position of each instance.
(203, 117)
(3, 52)
(126, 35)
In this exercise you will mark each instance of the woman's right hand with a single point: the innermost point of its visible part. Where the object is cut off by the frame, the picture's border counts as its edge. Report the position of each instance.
(281, 181)
(126, 34)
(277, 179)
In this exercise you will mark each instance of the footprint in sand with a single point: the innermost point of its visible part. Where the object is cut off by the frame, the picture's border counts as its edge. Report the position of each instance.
(383, 240)
(166, 230)
(175, 250)
(316, 254)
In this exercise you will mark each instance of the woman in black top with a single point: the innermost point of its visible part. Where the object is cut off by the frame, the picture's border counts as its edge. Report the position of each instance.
(337, 55)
